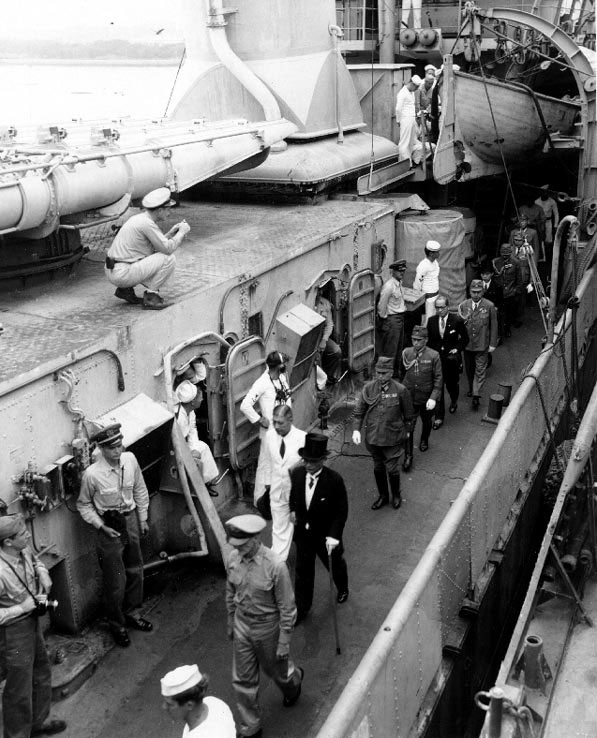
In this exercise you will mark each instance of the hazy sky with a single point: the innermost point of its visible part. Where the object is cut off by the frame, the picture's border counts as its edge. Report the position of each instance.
(79, 20)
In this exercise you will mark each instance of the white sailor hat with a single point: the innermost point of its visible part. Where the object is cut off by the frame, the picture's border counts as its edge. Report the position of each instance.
(159, 198)
(430, 67)
(242, 527)
(186, 391)
(416, 80)
(433, 246)
(180, 680)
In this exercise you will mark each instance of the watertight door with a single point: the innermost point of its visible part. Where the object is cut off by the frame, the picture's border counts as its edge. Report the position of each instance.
(244, 364)
(361, 320)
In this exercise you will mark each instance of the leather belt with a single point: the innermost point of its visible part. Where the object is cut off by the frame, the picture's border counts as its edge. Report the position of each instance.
(429, 295)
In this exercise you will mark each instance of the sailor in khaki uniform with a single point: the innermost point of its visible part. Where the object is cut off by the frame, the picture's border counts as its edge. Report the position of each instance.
(261, 616)
(480, 317)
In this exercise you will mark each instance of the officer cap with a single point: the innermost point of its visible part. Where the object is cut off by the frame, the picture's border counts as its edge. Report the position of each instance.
(385, 363)
(486, 268)
(242, 527)
(180, 680)
(186, 391)
(316, 446)
(476, 284)
(10, 525)
(108, 435)
(159, 198)
(399, 265)
(433, 246)
(505, 249)
(416, 80)
(419, 331)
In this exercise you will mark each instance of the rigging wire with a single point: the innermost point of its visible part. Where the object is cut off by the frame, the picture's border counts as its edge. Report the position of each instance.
(182, 58)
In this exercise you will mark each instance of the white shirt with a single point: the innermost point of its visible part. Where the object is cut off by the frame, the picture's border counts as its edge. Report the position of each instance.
(405, 104)
(427, 276)
(391, 299)
(219, 722)
(276, 467)
(263, 392)
(310, 484)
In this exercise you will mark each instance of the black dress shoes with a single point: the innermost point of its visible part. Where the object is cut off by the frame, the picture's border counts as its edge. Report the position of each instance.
(424, 445)
(452, 409)
(408, 462)
(379, 502)
(290, 701)
(476, 402)
(396, 502)
(138, 623)
(342, 597)
(128, 294)
(50, 727)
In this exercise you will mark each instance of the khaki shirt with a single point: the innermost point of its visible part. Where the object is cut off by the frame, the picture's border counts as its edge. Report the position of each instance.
(139, 237)
(12, 587)
(260, 587)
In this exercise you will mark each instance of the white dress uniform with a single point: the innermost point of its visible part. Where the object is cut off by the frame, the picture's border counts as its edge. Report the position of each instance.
(188, 425)
(275, 472)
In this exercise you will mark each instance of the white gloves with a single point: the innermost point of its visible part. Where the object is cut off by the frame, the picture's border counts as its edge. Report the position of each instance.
(430, 405)
(356, 437)
(331, 543)
(491, 349)
(530, 288)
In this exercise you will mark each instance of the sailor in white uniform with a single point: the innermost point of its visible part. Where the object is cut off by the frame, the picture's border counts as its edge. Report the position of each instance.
(280, 453)
(427, 278)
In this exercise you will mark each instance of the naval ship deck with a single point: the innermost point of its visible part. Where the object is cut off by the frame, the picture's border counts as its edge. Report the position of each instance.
(43, 324)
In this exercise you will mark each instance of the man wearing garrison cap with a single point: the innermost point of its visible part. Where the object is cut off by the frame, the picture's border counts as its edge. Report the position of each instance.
(509, 277)
(114, 500)
(421, 374)
(390, 309)
(261, 615)
(384, 407)
(183, 691)
(142, 254)
(481, 321)
(23, 656)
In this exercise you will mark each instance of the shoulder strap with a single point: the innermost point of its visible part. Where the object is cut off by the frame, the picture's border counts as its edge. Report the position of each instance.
(19, 577)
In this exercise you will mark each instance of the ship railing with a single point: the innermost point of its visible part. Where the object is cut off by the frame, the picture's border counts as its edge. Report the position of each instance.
(384, 695)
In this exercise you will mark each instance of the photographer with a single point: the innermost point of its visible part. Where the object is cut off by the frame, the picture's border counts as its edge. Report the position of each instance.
(114, 500)
(24, 581)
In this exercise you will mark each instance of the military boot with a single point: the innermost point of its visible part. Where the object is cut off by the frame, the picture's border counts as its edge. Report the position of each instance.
(408, 453)
(395, 487)
(382, 487)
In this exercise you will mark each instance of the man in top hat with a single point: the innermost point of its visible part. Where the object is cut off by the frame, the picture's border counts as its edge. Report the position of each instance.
(409, 146)
(142, 254)
(391, 309)
(23, 656)
(509, 277)
(183, 691)
(261, 615)
(385, 408)
(427, 277)
(186, 394)
(280, 454)
(421, 374)
(267, 391)
(480, 317)
(319, 502)
(114, 500)
(448, 336)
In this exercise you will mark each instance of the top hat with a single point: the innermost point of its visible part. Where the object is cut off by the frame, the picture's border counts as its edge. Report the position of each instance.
(316, 446)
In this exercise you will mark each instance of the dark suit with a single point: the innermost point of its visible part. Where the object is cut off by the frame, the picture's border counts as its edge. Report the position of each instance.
(326, 516)
(455, 338)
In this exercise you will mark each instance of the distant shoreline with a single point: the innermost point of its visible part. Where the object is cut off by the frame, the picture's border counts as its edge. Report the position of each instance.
(20, 61)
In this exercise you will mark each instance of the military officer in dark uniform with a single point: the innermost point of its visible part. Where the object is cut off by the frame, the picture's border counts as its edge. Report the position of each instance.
(261, 615)
(448, 336)
(509, 276)
(319, 502)
(480, 317)
(421, 374)
(385, 408)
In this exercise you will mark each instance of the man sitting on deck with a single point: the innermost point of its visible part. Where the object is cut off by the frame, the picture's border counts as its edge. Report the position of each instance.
(142, 254)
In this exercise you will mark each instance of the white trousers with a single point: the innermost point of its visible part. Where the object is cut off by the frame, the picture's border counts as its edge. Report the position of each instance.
(206, 462)
(282, 528)
(416, 8)
(151, 272)
(429, 308)
(409, 140)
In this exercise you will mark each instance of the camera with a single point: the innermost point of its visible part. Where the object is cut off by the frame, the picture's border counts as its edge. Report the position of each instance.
(44, 605)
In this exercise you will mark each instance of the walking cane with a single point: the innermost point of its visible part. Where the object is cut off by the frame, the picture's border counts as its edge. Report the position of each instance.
(333, 601)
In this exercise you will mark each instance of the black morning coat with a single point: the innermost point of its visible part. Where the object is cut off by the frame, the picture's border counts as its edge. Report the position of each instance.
(328, 510)
(455, 335)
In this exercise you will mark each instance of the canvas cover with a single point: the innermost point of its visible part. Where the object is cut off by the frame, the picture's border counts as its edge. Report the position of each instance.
(414, 229)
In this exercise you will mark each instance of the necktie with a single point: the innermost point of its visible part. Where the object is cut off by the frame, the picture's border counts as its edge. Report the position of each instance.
(442, 328)
(311, 481)
(486, 285)
(282, 448)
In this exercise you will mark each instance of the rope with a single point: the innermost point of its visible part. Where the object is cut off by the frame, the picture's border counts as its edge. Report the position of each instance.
(547, 423)
(182, 58)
